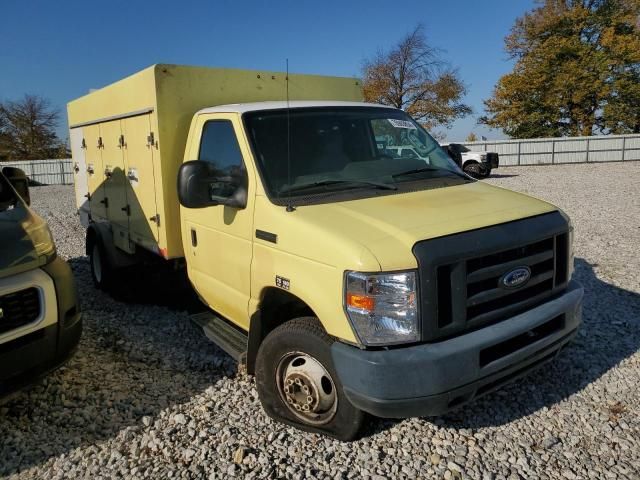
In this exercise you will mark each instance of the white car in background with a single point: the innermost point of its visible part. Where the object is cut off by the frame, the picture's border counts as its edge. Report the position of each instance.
(476, 164)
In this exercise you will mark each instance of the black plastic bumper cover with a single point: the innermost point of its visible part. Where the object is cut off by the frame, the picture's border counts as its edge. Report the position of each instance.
(430, 379)
(31, 356)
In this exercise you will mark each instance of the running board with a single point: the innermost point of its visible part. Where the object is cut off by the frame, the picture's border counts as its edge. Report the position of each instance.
(227, 337)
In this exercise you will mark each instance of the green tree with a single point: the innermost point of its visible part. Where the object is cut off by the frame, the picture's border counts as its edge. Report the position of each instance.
(27, 130)
(576, 72)
(412, 76)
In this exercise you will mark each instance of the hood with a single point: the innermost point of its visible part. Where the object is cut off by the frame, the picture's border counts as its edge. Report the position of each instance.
(20, 230)
(388, 226)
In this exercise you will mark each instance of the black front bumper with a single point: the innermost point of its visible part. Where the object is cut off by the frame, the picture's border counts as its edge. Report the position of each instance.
(27, 358)
(492, 160)
(430, 379)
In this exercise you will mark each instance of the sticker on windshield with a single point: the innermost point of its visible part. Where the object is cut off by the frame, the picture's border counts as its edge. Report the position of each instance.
(401, 123)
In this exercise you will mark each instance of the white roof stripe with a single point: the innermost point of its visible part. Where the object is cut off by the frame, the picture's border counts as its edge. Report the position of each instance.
(250, 107)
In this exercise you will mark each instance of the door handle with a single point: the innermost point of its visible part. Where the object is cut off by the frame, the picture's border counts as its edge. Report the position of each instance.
(194, 238)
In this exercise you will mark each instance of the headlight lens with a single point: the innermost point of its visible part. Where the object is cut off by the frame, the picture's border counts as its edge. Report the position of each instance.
(382, 307)
(40, 235)
(571, 257)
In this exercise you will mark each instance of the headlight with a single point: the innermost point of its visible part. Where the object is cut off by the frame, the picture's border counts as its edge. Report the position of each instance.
(382, 307)
(571, 258)
(41, 238)
(483, 158)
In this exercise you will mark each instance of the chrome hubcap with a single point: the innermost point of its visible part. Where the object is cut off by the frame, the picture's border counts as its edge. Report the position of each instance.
(306, 388)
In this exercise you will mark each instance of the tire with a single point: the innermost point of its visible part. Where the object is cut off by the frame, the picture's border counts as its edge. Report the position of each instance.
(485, 172)
(297, 355)
(473, 169)
(102, 272)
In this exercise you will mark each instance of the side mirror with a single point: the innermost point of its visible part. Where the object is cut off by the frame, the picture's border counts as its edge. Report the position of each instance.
(201, 185)
(19, 181)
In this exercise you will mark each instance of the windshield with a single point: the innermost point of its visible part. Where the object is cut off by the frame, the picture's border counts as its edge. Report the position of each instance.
(333, 149)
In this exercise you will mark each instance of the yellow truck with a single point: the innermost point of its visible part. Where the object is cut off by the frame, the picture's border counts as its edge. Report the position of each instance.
(347, 277)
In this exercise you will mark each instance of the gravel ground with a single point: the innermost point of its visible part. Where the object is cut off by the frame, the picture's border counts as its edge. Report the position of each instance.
(147, 396)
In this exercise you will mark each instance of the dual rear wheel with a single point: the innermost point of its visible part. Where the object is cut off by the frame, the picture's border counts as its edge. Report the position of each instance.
(102, 272)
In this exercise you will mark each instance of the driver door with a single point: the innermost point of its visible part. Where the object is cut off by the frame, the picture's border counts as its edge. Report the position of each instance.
(218, 239)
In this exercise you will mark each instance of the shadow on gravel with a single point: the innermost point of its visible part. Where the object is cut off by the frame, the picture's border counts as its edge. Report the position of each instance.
(157, 285)
(501, 175)
(609, 334)
(134, 360)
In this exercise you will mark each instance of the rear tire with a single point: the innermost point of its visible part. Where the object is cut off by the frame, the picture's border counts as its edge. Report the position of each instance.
(102, 272)
(297, 382)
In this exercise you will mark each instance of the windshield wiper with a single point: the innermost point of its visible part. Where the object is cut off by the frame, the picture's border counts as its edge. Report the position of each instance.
(322, 183)
(427, 169)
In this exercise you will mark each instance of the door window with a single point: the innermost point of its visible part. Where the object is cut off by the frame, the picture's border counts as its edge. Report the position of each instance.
(219, 147)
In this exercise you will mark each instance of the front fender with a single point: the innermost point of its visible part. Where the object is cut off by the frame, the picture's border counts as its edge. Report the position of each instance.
(317, 284)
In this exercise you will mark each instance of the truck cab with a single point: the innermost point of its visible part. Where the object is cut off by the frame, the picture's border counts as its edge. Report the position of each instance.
(346, 261)
(373, 281)
(40, 324)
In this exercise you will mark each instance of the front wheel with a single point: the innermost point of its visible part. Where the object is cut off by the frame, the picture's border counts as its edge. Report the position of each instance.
(297, 382)
(473, 169)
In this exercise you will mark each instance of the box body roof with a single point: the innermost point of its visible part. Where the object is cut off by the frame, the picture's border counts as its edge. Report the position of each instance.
(171, 95)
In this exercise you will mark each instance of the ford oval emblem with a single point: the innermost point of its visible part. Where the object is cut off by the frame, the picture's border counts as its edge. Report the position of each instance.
(516, 277)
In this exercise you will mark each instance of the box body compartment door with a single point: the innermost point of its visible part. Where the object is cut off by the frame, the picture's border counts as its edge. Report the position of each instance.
(95, 172)
(78, 147)
(115, 188)
(140, 180)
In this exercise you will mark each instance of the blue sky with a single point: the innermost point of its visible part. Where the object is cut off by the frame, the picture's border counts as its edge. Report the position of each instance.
(62, 49)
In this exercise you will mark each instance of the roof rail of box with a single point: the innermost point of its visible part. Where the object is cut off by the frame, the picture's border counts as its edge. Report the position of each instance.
(135, 113)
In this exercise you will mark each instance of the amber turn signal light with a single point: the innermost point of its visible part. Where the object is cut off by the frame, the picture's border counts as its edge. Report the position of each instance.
(362, 302)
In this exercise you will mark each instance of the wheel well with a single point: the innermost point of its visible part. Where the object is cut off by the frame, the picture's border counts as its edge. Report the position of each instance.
(276, 307)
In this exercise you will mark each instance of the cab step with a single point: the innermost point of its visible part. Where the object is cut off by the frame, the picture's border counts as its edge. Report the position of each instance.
(228, 337)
